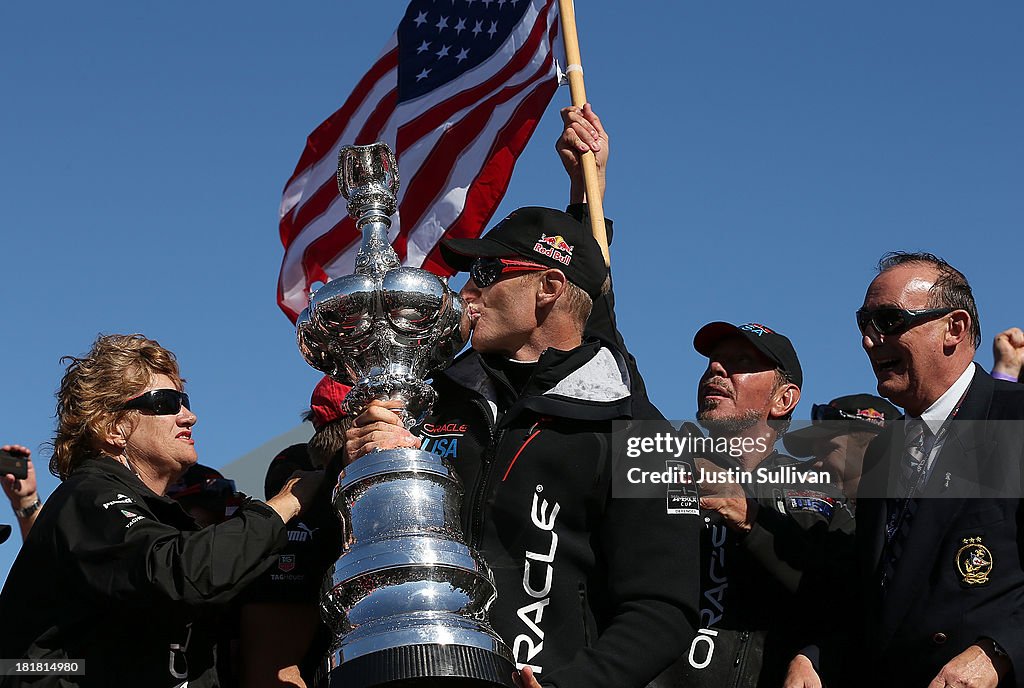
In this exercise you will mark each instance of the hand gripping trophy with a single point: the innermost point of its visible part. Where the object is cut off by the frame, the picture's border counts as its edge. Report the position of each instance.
(408, 598)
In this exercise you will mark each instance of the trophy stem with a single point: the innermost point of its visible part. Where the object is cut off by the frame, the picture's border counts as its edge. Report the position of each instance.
(375, 252)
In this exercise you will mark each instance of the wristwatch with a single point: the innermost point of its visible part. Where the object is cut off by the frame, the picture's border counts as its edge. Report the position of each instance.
(29, 510)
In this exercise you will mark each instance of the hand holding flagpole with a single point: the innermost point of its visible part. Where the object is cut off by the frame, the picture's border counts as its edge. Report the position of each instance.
(574, 71)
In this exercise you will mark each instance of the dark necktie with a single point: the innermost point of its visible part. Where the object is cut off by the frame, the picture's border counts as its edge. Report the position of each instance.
(901, 510)
(914, 458)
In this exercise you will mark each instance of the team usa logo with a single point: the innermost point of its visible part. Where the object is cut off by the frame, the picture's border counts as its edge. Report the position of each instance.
(974, 561)
(442, 439)
(554, 247)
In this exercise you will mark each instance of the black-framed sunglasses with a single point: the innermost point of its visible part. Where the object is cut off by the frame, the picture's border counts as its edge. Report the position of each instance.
(891, 321)
(161, 402)
(485, 271)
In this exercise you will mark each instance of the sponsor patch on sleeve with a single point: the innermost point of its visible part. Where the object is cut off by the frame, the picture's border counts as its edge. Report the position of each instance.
(810, 500)
(118, 499)
(132, 517)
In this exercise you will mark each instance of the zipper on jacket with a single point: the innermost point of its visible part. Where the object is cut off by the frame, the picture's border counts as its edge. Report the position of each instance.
(476, 503)
(584, 608)
(740, 661)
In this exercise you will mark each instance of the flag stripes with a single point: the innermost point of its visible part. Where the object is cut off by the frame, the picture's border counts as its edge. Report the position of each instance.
(456, 147)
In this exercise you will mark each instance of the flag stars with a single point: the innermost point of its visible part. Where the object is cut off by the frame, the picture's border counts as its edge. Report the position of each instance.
(423, 75)
(424, 46)
(501, 3)
(442, 24)
(487, 3)
(477, 28)
(494, 29)
(460, 26)
(420, 19)
(443, 52)
(463, 54)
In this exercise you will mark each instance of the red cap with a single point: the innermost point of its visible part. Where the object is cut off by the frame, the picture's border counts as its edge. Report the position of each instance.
(326, 402)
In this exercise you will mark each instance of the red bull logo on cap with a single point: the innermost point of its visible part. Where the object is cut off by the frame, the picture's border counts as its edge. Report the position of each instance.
(871, 416)
(554, 247)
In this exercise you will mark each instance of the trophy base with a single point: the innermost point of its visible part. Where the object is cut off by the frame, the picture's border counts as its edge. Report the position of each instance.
(419, 666)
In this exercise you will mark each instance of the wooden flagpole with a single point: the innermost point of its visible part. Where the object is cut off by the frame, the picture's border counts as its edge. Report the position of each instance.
(574, 70)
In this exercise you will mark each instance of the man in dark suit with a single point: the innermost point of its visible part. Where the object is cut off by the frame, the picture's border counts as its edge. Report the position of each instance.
(939, 554)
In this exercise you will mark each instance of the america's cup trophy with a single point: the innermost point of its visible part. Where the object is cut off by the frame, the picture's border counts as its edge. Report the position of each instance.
(408, 599)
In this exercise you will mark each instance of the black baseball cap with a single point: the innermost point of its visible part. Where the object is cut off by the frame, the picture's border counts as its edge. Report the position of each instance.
(841, 415)
(541, 235)
(775, 346)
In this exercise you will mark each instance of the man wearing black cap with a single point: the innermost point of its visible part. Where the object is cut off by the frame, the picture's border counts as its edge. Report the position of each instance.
(761, 536)
(840, 434)
(592, 590)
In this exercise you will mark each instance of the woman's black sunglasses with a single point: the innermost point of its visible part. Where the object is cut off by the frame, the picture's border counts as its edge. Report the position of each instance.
(161, 402)
(485, 271)
(892, 321)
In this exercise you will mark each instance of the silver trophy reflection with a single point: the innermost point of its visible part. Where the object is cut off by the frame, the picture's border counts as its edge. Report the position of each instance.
(408, 599)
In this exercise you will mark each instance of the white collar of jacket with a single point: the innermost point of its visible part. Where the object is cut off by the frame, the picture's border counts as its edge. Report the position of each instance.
(601, 385)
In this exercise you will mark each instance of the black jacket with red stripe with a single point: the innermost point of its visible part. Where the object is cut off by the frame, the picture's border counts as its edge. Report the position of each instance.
(592, 590)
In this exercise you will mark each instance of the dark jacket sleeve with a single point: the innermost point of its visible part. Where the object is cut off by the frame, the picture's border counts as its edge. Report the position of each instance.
(653, 582)
(123, 552)
(787, 549)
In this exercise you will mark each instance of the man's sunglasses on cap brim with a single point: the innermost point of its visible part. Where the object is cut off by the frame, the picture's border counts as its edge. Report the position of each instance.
(160, 402)
(485, 271)
(891, 321)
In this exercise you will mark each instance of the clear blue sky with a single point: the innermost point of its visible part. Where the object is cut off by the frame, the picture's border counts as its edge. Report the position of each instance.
(765, 154)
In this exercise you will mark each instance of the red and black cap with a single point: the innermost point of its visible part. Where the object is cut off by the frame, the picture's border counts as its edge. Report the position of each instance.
(325, 403)
(541, 235)
(775, 346)
(854, 412)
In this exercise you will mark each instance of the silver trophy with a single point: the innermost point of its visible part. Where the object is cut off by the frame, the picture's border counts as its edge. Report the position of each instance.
(408, 598)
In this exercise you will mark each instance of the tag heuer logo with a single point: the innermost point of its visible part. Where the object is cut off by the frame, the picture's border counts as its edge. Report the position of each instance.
(286, 563)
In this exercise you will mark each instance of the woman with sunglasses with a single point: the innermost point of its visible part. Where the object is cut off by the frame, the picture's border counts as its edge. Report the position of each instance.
(114, 573)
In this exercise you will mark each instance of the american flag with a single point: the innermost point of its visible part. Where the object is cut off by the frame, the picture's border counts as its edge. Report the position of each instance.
(456, 93)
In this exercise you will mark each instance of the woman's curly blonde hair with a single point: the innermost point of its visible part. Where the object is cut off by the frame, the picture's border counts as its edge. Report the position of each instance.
(116, 369)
